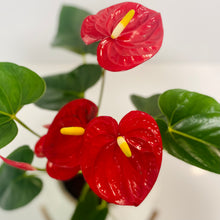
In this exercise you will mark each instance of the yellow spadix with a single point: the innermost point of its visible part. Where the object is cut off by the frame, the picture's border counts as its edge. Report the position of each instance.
(124, 146)
(122, 24)
(75, 131)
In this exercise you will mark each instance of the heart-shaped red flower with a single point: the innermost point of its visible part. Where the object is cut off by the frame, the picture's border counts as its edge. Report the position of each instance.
(129, 32)
(61, 150)
(121, 162)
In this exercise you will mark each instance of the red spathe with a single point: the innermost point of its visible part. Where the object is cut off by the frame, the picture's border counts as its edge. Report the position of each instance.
(140, 40)
(110, 174)
(63, 151)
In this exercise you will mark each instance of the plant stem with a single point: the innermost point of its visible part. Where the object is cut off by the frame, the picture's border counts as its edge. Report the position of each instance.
(84, 191)
(40, 169)
(102, 89)
(154, 215)
(84, 58)
(45, 213)
(25, 126)
(103, 205)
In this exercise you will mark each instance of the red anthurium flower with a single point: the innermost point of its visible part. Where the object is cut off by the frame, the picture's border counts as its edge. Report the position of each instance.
(17, 164)
(121, 162)
(62, 144)
(38, 149)
(61, 173)
(129, 32)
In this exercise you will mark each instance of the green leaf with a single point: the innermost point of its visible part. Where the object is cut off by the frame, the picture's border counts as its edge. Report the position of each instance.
(193, 130)
(18, 86)
(148, 105)
(16, 187)
(68, 34)
(63, 88)
(8, 132)
(89, 207)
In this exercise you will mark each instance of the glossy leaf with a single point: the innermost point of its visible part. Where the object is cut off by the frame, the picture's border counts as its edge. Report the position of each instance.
(149, 105)
(16, 187)
(63, 88)
(8, 132)
(18, 86)
(193, 130)
(140, 40)
(89, 208)
(68, 34)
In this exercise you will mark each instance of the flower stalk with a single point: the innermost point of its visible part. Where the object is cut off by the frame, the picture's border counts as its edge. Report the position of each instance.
(25, 126)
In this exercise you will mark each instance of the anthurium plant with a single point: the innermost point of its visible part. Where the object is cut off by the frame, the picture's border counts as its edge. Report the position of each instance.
(79, 141)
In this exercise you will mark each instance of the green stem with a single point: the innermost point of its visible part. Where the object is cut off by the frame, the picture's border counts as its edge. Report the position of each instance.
(84, 58)
(25, 126)
(101, 89)
(45, 213)
(103, 205)
(40, 169)
(84, 191)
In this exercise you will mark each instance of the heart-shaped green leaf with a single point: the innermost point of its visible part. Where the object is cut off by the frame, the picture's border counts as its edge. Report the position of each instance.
(193, 130)
(148, 105)
(18, 86)
(16, 187)
(68, 34)
(89, 207)
(63, 88)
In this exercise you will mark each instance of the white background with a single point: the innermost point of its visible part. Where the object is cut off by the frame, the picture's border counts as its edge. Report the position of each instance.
(189, 59)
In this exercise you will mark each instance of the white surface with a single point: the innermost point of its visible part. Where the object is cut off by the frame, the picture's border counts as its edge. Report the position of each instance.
(191, 29)
(182, 191)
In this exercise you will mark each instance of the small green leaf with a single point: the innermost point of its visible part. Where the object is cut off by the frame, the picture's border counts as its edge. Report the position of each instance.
(89, 208)
(148, 105)
(16, 187)
(18, 86)
(193, 130)
(63, 88)
(68, 34)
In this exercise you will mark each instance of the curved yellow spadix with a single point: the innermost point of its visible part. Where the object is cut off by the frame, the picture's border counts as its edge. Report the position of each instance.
(124, 146)
(75, 131)
(122, 24)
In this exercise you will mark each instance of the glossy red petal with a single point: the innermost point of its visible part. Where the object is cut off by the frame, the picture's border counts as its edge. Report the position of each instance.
(141, 132)
(97, 27)
(110, 174)
(64, 150)
(19, 165)
(61, 173)
(109, 57)
(89, 34)
(131, 48)
(139, 41)
(38, 149)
